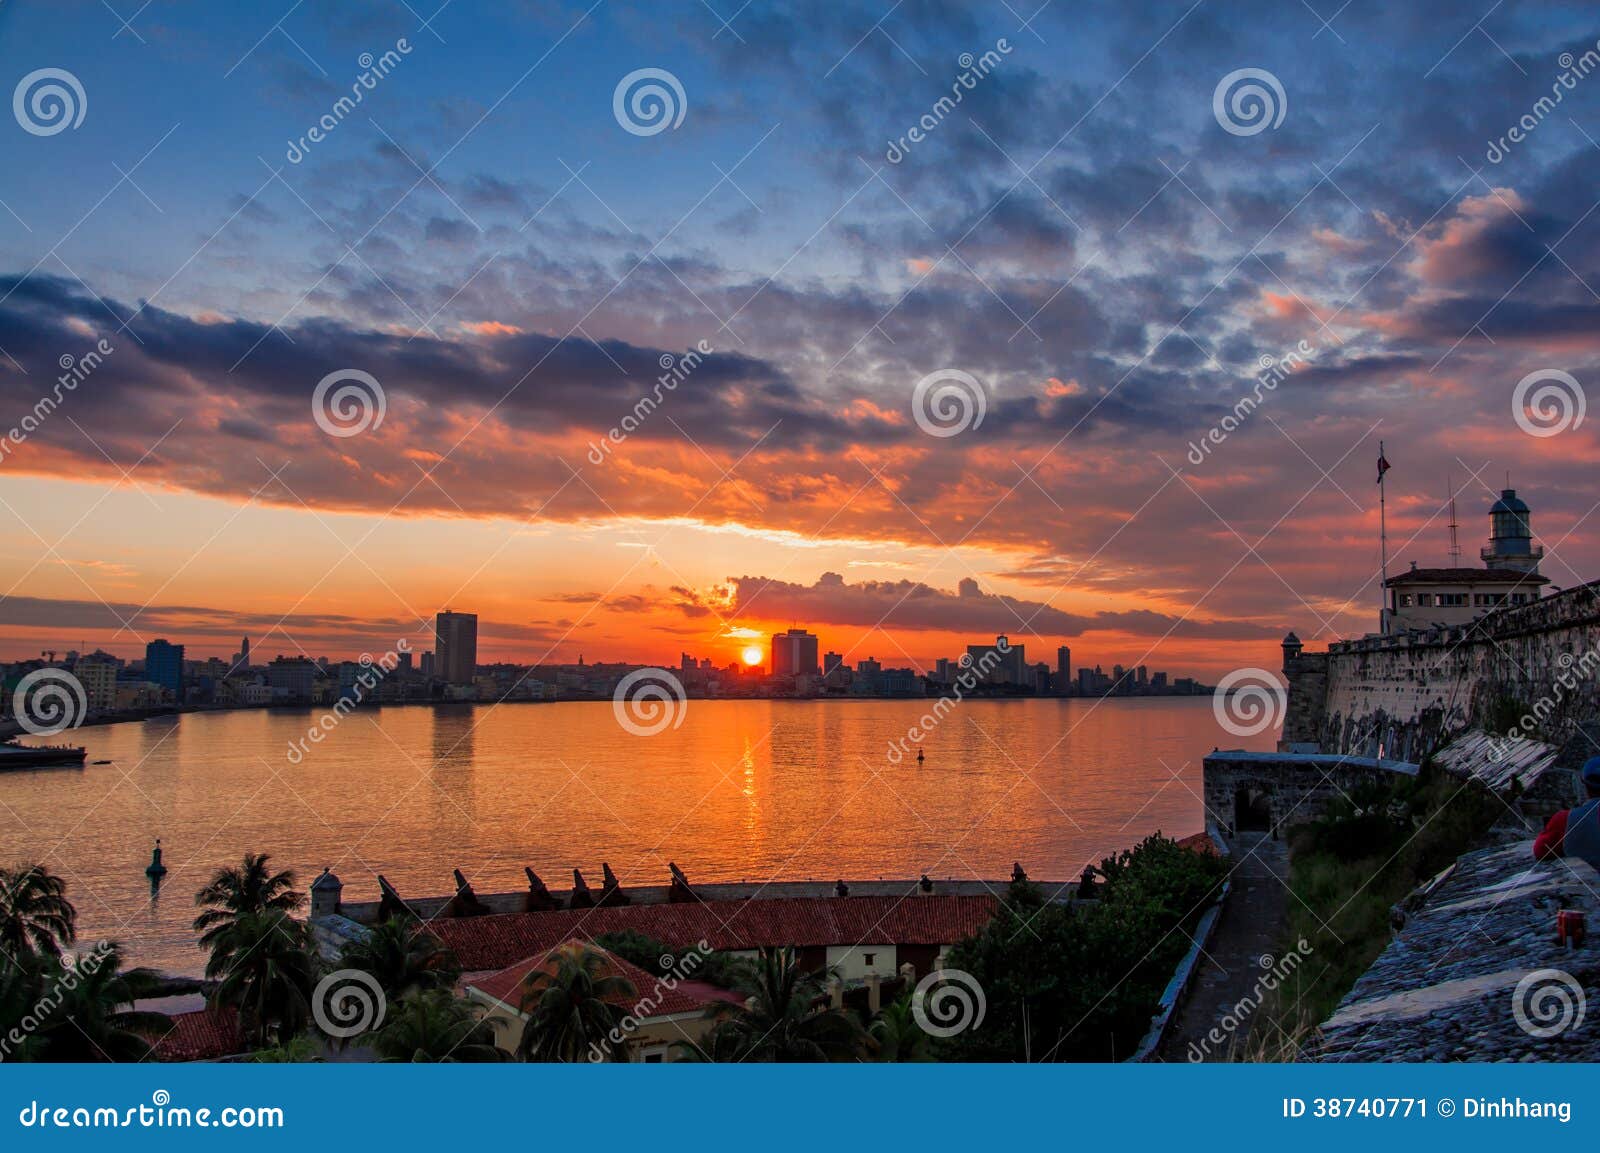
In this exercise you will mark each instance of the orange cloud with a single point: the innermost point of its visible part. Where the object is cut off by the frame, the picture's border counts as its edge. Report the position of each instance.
(491, 328)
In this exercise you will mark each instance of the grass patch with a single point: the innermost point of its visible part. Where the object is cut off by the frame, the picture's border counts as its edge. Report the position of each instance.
(1347, 870)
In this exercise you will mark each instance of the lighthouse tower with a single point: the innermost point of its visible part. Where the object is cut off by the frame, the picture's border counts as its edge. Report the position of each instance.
(1510, 537)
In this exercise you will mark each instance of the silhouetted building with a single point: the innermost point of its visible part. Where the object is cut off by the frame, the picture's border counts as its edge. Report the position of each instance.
(794, 653)
(163, 665)
(456, 646)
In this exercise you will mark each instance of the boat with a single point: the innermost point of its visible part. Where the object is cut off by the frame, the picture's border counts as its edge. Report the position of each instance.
(15, 756)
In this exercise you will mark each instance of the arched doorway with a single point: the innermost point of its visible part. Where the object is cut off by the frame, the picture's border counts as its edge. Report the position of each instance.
(1252, 810)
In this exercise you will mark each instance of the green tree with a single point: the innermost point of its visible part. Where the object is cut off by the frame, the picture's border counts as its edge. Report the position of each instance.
(265, 969)
(434, 1025)
(894, 1034)
(403, 957)
(35, 915)
(239, 890)
(571, 1007)
(78, 1009)
(786, 1017)
(1080, 982)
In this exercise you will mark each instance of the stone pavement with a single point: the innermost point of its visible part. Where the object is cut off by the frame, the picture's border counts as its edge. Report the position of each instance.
(1251, 928)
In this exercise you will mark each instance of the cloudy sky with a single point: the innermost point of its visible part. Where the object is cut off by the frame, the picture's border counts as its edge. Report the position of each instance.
(1095, 253)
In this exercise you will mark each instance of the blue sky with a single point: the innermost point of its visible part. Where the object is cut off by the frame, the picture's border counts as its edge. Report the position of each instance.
(1081, 236)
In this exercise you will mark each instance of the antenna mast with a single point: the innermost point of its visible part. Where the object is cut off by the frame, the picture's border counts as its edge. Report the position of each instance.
(1455, 543)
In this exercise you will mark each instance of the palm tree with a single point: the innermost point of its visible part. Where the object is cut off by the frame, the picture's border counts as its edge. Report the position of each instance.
(434, 1026)
(403, 957)
(237, 890)
(571, 1007)
(95, 1020)
(35, 915)
(895, 1035)
(266, 971)
(785, 1018)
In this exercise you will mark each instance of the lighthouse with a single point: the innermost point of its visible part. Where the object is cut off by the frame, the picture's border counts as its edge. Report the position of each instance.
(1510, 536)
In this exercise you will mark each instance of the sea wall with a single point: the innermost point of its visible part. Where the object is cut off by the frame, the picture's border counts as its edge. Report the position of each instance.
(1533, 670)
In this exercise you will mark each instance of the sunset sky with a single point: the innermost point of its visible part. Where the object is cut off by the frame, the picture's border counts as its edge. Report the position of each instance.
(1080, 235)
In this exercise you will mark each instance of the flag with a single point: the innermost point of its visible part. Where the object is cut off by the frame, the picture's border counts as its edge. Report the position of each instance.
(1383, 465)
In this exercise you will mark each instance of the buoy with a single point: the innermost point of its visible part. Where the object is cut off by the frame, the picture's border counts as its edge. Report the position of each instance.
(155, 868)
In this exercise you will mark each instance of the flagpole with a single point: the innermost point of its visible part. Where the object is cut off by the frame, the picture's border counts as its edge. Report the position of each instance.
(1383, 543)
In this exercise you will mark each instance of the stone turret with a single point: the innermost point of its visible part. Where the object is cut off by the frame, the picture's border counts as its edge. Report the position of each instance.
(325, 893)
(1292, 647)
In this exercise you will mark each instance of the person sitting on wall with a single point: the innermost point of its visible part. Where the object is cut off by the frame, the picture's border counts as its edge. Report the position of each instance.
(1575, 832)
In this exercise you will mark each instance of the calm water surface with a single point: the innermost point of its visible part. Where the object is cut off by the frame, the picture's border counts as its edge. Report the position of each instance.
(751, 790)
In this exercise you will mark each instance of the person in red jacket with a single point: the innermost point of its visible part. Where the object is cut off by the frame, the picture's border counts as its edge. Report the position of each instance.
(1575, 832)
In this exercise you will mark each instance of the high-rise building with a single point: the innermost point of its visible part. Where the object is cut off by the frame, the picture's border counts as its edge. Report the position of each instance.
(163, 665)
(456, 646)
(831, 661)
(1004, 662)
(425, 665)
(1063, 669)
(794, 653)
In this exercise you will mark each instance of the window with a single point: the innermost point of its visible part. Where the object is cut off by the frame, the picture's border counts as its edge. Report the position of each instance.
(1425, 600)
(868, 959)
(1452, 600)
(1405, 600)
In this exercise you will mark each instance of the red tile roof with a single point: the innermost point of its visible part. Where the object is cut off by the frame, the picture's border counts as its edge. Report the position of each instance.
(203, 1035)
(683, 997)
(499, 940)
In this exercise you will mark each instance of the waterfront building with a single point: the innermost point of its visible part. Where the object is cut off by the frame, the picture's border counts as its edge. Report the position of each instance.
(1005, 661)
(456, 646)
(832, 661)
(97, 673)
(1063, 669)
(425, 666)
(793, 653)
(163, 665)
(293, 680)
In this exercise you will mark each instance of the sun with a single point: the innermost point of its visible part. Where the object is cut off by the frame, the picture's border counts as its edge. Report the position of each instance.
(752, 656)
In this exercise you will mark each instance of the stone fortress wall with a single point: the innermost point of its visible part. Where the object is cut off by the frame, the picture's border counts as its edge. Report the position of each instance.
(1533, 670)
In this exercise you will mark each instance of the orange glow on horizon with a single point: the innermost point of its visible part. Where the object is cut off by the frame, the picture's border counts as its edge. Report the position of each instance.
(751, 656)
